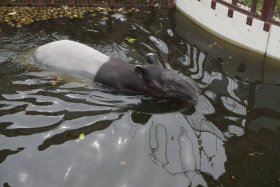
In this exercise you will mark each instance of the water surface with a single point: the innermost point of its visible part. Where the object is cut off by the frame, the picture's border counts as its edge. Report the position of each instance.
(231, 138)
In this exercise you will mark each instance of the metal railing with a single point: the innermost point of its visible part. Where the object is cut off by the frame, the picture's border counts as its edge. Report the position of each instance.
(265, 10)
(110, 3)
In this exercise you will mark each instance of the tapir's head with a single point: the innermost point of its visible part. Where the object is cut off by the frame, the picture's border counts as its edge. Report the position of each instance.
(164, 84)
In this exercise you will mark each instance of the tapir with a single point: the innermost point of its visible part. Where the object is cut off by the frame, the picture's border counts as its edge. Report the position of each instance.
(80, 60)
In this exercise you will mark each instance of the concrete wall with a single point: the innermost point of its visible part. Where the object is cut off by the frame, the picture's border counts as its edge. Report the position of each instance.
(233, 29)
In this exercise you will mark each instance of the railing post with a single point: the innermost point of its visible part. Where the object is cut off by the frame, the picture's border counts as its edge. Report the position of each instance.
(50, 2)
(268, 9)
(171, 3)
(111, 4)
(71, 2)
(254, 6)
(40, 3)
(234, 2)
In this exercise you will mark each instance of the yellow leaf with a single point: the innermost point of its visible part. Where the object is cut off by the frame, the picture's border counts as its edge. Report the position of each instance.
(130, 40)
(82, 136)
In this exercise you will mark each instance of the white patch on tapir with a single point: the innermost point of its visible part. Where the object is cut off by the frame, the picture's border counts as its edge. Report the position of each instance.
(71, 58)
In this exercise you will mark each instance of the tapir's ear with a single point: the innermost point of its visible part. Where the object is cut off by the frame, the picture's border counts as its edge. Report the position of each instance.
(140, 72)
(152, 58)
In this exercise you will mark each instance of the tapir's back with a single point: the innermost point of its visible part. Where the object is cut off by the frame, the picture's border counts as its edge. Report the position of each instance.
(71, 57)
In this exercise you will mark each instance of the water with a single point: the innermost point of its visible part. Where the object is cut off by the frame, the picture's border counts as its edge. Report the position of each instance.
(57, 130)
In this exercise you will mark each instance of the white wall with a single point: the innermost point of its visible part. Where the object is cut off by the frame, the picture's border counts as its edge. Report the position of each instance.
(235, 29)
(273, 47)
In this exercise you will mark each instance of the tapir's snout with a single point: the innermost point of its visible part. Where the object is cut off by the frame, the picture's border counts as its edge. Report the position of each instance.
(186, 92)
(193, 99)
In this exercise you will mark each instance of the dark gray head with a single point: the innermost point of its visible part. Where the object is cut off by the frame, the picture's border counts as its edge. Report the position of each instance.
(164, 84)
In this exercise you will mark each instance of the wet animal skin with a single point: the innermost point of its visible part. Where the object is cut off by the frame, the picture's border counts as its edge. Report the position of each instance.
(76, 59)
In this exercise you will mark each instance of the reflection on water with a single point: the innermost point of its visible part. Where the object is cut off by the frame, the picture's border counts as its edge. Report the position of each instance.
(231, 138)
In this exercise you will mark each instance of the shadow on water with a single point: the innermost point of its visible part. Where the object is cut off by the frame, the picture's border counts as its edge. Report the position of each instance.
(57, 130)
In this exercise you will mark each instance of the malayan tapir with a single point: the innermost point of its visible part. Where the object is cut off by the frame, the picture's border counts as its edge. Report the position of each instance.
(76, 59)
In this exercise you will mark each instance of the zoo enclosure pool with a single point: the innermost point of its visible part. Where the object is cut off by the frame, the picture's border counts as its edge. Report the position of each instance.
(150, 138)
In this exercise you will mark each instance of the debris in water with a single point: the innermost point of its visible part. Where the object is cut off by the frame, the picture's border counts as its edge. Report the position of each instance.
(82, 136)
(130, 40)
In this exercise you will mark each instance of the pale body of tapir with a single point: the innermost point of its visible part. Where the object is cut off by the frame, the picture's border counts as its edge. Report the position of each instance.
(76, 59)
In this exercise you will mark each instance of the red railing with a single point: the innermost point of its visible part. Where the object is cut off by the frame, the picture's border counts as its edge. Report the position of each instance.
(133, 3)
(265, 10)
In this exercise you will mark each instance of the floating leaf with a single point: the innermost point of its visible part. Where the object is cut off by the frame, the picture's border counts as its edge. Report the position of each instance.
(82, 136)
(130, 40)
